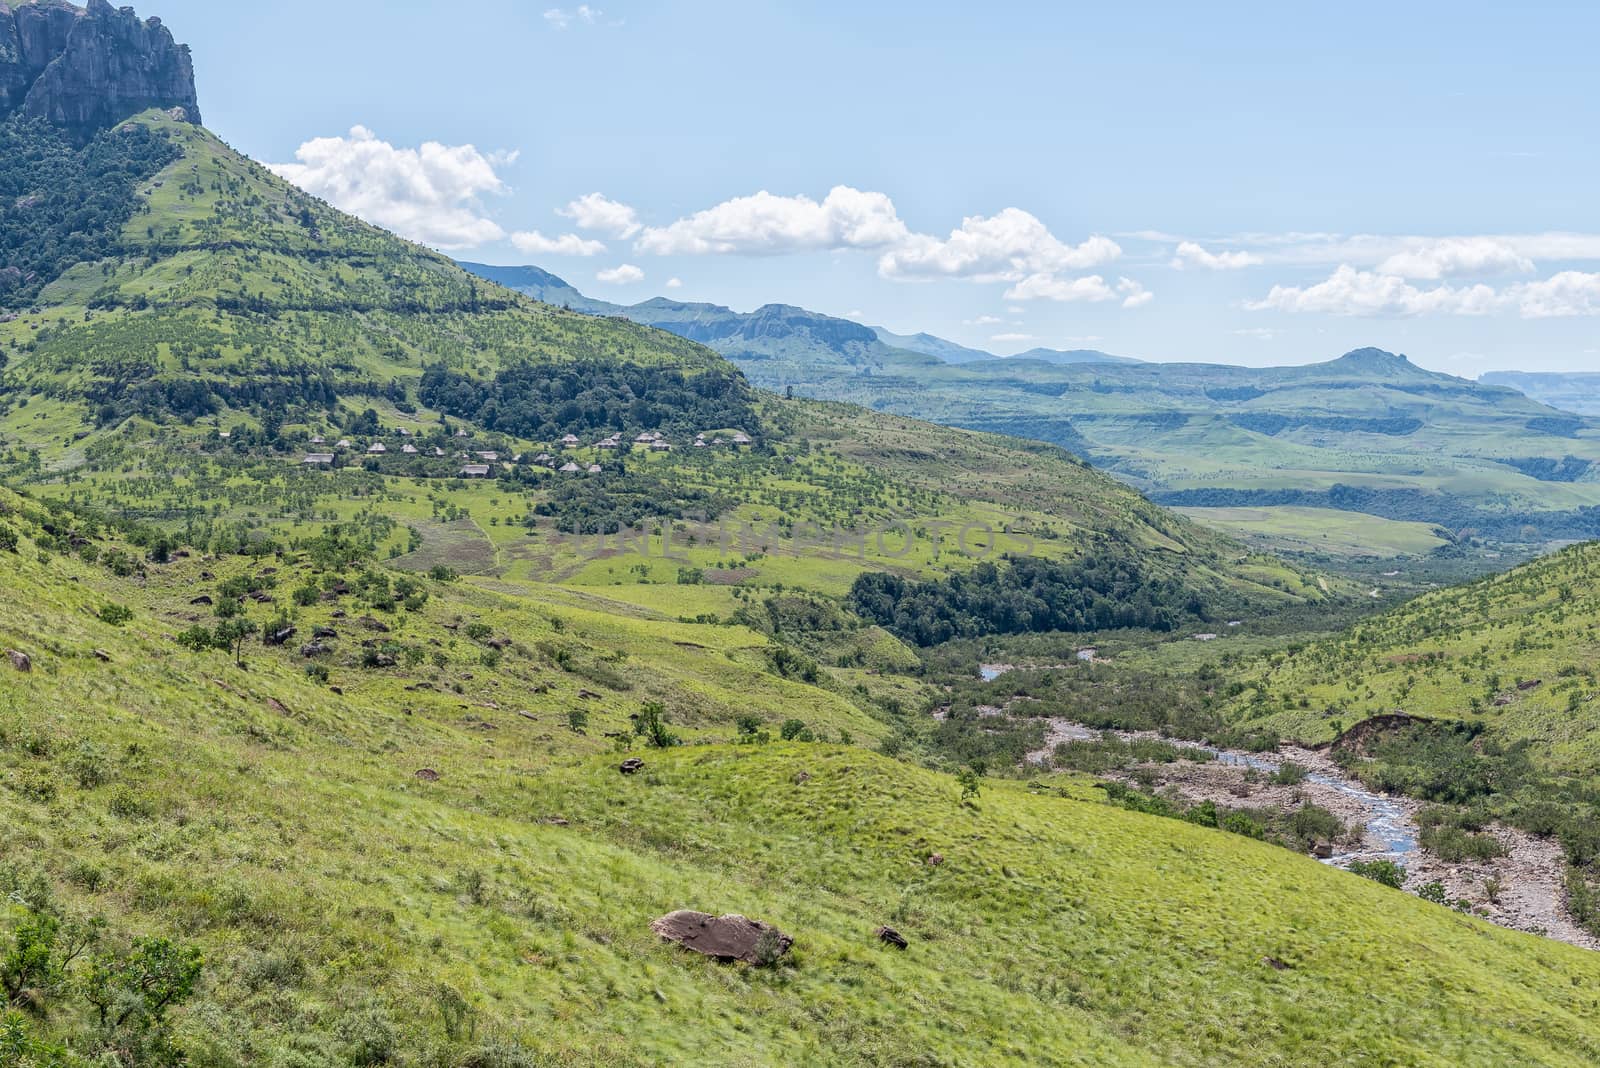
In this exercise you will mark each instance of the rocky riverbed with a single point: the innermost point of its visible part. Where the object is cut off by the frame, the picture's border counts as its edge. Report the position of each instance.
(1522, 890)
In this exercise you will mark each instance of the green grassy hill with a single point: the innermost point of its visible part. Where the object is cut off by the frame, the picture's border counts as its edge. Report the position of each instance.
(350, 911)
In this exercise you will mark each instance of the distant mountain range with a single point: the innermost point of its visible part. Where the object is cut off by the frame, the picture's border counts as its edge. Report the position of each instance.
(793, 343)
(1369, 432)
(1574, 391)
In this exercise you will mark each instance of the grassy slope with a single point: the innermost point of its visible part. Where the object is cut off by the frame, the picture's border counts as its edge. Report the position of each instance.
(1452, 654)
(281, 827)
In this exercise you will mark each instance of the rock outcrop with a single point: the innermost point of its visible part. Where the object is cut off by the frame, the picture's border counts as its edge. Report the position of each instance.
(90, 68)
(726, 938)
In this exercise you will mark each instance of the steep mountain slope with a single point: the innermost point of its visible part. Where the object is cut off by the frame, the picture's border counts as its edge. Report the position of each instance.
(390, 871)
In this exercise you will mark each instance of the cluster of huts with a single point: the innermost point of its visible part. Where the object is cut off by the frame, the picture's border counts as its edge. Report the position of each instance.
(481, 464)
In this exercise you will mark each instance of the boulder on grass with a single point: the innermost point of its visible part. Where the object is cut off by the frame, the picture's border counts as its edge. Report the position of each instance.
(727, 938)
(631, 766)
(20, 661)
(890, 937)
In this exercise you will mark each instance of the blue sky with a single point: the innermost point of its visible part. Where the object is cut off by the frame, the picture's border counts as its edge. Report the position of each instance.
(1250, 183)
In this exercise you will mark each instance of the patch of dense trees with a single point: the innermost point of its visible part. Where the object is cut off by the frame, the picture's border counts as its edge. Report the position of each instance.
(61, 204)
(623, 500)
(1102, 591)
(1549, 469)
(1275, 423)
(544, 402)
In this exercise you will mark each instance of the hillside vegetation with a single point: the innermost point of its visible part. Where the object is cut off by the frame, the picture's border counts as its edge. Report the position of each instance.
(494, 909)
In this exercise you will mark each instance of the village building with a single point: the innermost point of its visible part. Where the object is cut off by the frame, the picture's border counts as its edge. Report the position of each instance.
(570, 441)
(570, 468)
(490, 457)
(344, 443)
(318, 459)
(377, 448)
(409, 449)
(475, 471)
(594, 469)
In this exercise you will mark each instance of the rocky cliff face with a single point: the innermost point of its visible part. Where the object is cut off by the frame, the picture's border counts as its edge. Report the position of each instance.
(90, 68)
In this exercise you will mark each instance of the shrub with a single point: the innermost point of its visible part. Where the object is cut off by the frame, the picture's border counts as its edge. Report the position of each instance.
(794, 730)
(116, 614)
(1382, 871)
(1242, 823)
(1433, 892)
(651, 725)
(1290, 774)
(8, 539)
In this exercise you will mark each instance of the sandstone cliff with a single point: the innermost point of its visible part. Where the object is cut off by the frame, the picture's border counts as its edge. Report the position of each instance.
(90, 68)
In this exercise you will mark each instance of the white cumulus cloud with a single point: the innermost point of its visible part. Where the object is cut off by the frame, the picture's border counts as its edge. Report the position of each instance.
(1013, 339)
(1009, 245)
(1349, 291)
(1566, 294)
(598, 212)
(428, 194)
(765, 224)
(1191, 254)
(1089, 288)
(626, 274)
(534, 242)
(674, 283)
(1456, 257)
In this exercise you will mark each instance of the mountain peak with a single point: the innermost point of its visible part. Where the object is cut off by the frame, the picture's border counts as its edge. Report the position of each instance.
(90, 68)
(1371, 358)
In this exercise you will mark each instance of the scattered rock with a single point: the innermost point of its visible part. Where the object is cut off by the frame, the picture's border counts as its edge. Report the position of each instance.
(890, 937)
(727, 938)
(1531, 684)
(374, 624)
(278, 637)
(631, 766)
(498, 643)
(102, 656)
(311, 649)
(1275, 964)
(278, 707)
(801, 778)
(935, 859)
(383, 660)
(21, 661)
(428, 775)
(324, 632)
(203, 599)
(588, 695)
(558, 821)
